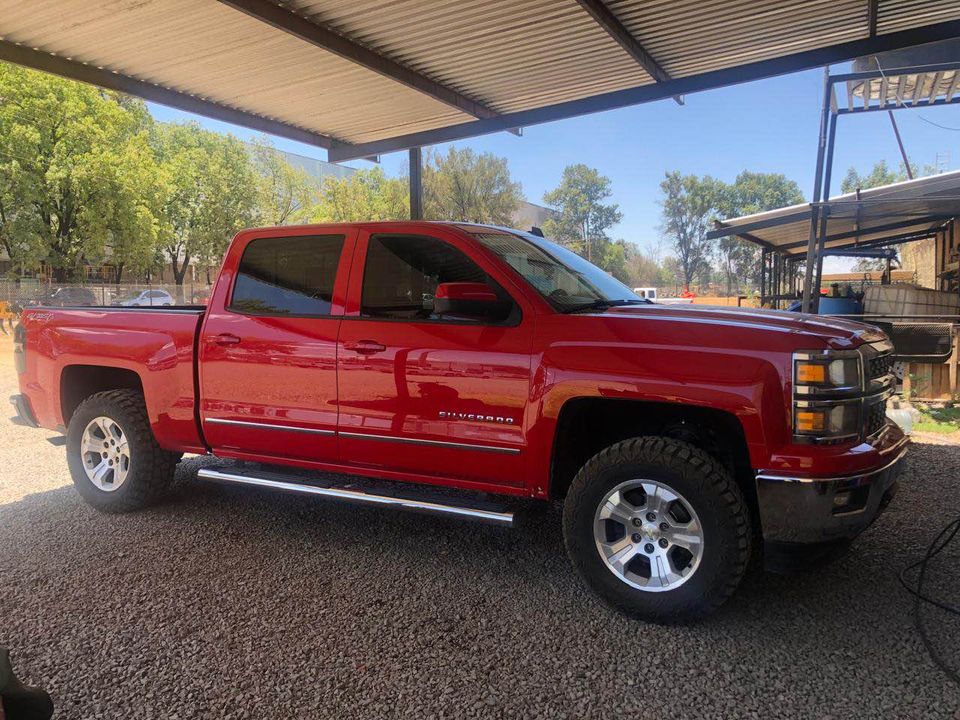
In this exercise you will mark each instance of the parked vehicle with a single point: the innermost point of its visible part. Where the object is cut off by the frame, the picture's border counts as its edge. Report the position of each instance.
(148, 298)
(648, 293)
(60, 297)
(492, 361)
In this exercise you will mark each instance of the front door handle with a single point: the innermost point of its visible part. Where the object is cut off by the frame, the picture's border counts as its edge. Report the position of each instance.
(365, 347)
(226, 339)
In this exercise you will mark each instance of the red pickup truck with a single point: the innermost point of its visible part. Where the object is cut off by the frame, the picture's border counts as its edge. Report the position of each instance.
(462, 364)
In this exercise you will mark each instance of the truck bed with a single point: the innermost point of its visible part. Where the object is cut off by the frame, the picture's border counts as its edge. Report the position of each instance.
(63, 353)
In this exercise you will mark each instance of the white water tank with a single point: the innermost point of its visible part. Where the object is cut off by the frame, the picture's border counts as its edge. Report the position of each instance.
(904, 300)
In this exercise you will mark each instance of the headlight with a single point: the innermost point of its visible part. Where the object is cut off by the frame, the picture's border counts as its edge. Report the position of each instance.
(832, 374)
(827, 422)
(828, 387)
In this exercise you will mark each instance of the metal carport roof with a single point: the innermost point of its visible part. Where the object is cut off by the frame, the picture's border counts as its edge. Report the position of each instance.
(362, 77)
(896, 213)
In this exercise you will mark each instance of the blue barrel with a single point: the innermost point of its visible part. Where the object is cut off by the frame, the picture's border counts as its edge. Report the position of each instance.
(840, 306)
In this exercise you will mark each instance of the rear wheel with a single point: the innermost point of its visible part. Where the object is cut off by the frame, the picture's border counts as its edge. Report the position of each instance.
(113, 456)
(658, 528)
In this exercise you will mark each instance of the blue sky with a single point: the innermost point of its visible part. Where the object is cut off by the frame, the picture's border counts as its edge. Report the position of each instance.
(764, 126)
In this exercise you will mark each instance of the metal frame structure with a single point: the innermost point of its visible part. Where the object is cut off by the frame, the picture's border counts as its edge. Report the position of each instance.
(748, 72)
(930, 89)
(365, 53)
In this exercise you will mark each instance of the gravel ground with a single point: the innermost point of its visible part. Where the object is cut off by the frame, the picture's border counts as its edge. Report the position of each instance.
(230, 603)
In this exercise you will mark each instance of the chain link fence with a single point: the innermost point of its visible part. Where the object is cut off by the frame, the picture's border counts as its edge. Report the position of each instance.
(17, 294)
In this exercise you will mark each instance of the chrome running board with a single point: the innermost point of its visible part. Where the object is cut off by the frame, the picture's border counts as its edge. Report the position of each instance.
(360, 492)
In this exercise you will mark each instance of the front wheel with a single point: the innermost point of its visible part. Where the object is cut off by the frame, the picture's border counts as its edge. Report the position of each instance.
(113, 456)
(658, 528)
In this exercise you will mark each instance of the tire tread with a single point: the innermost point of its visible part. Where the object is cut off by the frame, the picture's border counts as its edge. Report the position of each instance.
(676, 454)
(154, 467)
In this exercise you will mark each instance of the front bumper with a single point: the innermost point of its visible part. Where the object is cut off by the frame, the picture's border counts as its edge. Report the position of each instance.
(24, 411)
(801, 510)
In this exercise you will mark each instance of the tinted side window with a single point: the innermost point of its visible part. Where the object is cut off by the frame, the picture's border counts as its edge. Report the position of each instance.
(402, 273)
(287, 276)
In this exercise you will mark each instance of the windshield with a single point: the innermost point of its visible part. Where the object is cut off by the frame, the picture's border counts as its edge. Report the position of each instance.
(565, 279)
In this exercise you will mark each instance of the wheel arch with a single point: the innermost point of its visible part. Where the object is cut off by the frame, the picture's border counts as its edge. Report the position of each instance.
(78, 382)
(587, 425)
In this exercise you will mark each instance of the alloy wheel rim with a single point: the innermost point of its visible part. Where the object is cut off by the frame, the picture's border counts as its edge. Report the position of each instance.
(105, 453)
(648, 535)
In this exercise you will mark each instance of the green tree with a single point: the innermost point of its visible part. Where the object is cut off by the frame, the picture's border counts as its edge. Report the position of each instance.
(750, 193)
(881, 174)
(77, 173)
(688, 206)
(364, 195)
(468, 187)
(210, 192)
(285, 193)
(643, 269)
(584, 217)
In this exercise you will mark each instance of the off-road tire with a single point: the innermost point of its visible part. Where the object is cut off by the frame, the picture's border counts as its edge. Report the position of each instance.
(151, 467)
(705, 484)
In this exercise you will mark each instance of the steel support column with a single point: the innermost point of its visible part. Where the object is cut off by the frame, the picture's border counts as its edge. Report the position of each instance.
(763, 276)
(825, 209)
(808, 305)
(416, 184)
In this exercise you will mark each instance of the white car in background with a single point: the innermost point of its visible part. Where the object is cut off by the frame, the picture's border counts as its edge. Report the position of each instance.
(148, 298)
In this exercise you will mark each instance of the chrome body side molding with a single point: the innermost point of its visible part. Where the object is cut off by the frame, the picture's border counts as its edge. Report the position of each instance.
(270, 426)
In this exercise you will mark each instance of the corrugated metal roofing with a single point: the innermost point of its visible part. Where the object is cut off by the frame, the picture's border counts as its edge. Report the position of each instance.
(509, 55)
(912, 207)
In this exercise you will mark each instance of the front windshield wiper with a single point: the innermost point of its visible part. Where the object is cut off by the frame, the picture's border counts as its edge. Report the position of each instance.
(604, 304)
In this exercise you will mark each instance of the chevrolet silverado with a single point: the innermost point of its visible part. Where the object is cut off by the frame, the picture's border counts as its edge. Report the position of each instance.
(448, 367)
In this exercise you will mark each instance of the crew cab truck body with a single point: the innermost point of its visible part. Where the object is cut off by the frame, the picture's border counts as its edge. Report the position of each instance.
(490, 361)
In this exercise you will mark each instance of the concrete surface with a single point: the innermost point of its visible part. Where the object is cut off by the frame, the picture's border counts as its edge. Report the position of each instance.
(228, 603)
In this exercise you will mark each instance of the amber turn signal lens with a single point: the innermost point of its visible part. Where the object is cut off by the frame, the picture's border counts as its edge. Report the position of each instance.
(808, 373)
(811, 420)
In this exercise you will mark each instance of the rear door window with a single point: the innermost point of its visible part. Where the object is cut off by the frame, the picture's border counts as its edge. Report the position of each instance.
(291, 276)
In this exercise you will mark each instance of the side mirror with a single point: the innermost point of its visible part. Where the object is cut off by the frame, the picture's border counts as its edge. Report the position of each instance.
(468, 299)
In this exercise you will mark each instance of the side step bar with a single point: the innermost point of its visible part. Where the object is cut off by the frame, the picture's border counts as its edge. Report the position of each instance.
(356, 493)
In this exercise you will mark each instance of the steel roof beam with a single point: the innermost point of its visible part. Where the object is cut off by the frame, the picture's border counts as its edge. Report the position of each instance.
(913, 104)
(647, 93)
(851, 234)
(324, 37)
(880, 242)
(722, 230)
(91, 74)
(611, 24)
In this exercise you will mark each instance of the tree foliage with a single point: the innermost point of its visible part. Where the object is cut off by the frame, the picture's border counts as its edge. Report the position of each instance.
(468, 187)
(750, 193)
(585, 218)
(364, 195)
(881, 174)
(285, 194)
(688, 206)
(209, 193)
(77, 174)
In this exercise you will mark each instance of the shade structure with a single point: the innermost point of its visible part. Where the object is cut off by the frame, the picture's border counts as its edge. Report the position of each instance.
(363, 77)
(890, 214)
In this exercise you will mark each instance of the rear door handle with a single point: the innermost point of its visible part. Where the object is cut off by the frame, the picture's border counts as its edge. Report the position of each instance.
(365, 347)
(225, 339)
